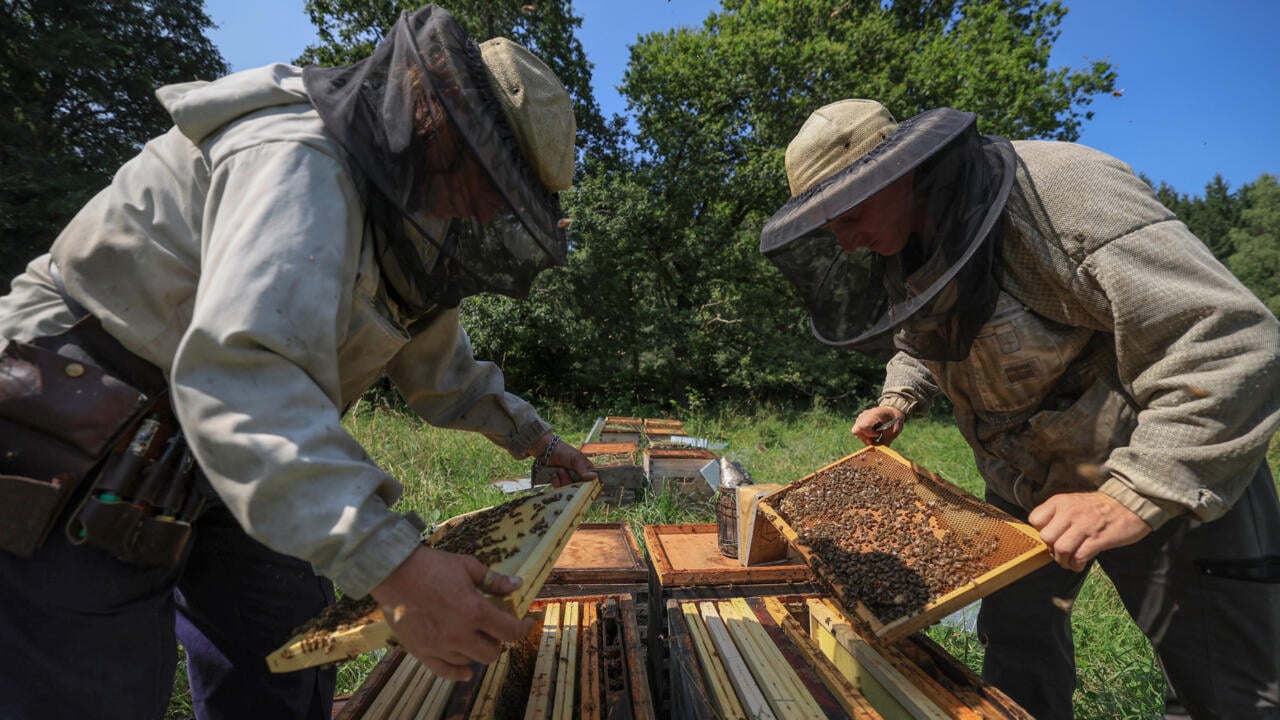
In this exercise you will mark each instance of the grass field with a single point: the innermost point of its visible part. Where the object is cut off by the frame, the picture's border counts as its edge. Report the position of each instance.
(446, 473)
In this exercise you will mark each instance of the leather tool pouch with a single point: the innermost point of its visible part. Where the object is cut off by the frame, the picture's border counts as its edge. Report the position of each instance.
(59, 416)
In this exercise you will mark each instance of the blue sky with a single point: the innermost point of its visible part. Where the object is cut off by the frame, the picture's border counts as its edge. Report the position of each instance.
(1201, 78)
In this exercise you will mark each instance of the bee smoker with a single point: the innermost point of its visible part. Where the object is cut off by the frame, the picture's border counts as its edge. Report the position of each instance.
(732, 476)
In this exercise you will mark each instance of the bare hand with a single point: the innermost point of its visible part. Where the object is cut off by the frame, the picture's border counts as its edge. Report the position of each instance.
(865, 426)
(1078, 526)
(435, 606)
(564, 457)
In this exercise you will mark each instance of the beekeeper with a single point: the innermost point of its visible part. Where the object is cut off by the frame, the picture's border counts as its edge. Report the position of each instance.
(1117, 384)
(241, 282)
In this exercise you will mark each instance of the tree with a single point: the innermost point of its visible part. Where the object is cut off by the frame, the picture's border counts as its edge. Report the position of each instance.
(77, 83)
(350, 29)
(666, 297)
(1212, 218)
(1256, 260)
(716, 107)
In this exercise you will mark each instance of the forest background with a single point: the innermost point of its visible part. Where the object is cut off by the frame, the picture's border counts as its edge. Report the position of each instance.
(666, 301)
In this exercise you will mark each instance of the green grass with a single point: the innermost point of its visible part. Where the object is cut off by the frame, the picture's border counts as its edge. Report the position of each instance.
(446, 473)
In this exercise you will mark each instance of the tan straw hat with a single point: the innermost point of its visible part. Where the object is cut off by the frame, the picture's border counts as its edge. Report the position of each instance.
(537, 107)
(832, 138)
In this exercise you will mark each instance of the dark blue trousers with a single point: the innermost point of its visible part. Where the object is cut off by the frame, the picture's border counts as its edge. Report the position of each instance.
(1217, 639)
(83, 635)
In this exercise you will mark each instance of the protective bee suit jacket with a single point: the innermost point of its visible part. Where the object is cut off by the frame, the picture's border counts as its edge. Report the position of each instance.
(1121, 356)
(232, 253)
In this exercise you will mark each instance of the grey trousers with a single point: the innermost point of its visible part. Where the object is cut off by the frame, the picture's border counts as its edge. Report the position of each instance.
(1217, 640)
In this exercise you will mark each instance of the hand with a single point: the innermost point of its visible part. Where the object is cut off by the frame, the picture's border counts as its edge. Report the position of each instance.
(434, 605)
(865, 426)
(1078, 526)
(564, 457)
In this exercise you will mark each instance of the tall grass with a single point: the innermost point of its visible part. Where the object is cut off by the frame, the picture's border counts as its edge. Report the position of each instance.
(446, 473)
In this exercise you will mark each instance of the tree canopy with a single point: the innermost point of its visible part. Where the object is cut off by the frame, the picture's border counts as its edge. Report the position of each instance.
(666, 298)
(667, 286)
(77, 84)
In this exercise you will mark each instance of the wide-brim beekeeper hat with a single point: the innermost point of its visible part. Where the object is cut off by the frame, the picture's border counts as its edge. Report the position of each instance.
(433, 114)
(930, 298)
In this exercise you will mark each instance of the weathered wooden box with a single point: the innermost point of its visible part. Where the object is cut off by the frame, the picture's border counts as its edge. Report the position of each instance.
(621, 429)
(676, 470)
(661, 430)
(582, 660)
(621, 470)
(685, 563)
(603, 559)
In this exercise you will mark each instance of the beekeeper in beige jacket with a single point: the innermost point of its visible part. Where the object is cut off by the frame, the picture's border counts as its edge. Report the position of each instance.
(293, 237)
(1117, 384)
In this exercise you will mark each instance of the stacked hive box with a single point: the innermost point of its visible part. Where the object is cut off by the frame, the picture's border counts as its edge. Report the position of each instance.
(798, 657)
(603, 559)
(618, 466)
(582, 660)
(685, 563)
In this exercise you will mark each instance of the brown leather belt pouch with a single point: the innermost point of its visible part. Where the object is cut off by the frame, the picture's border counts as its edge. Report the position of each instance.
(58, 418)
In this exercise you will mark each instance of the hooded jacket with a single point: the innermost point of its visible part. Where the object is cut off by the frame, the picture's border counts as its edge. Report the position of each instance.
(1122, 356)
(231, 253)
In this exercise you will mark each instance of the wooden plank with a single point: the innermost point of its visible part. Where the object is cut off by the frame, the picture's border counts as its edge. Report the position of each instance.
(567, 664)
(600, 553)
(434, 705)
(485, 706)
(589, 695)
(758, 540)
(544, 669)
(777, 680)
(987, 700)
(712, 664)
(870, 665)
(744, 683)
(641, 700)
(391, 692)
(616, 678)
(690, 696)
(689, 554)
(854, 704)
(414, 694)
(363, 697)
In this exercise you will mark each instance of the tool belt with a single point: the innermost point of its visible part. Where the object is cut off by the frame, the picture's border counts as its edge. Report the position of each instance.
(82, 419)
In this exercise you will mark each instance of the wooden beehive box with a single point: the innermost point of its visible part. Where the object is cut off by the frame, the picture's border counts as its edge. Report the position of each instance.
(599, 554)
(911, 677)
(685, 563)
(898, 546)
(621, 472)
(580, 661)
(621, 429)
(749, 658)
(675, 470)
(802, 642)
(660, 430)
(523, 538)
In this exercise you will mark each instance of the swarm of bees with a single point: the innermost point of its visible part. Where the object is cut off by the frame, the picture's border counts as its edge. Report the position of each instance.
(876, 542)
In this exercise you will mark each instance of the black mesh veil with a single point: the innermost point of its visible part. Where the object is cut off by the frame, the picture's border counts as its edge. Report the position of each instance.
(454, 206)
(930, 299)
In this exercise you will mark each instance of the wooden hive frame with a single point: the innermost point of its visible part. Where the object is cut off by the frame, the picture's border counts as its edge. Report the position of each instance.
(581, 660)
(524, 549)
(845, 673)
(685, 563)
(748, 658)
(1034, 556)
